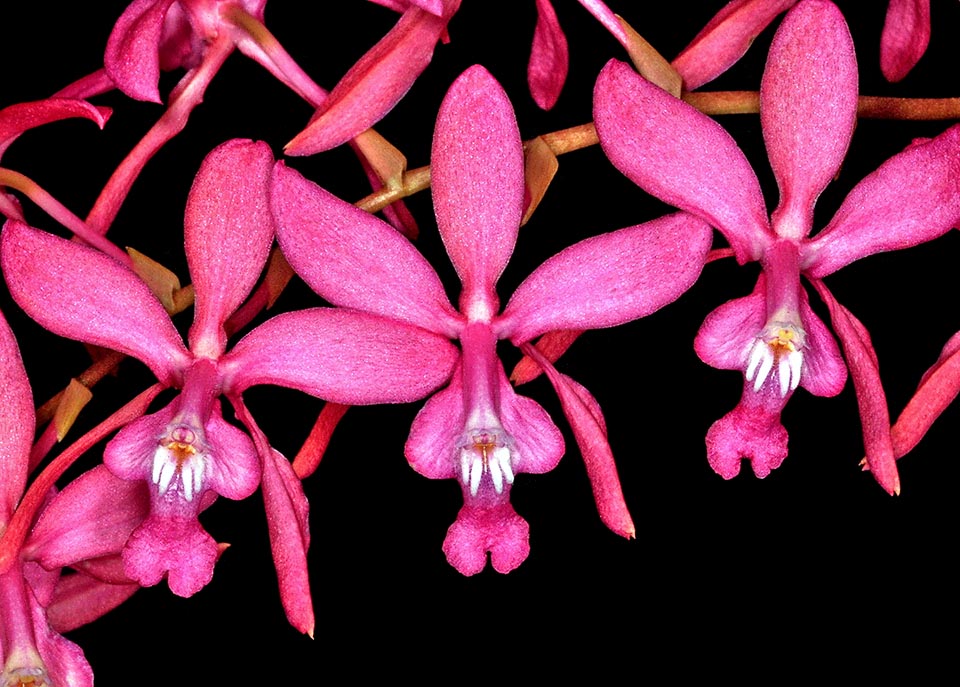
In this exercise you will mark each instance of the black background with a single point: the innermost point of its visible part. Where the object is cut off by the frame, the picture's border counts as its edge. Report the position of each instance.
(730, 568)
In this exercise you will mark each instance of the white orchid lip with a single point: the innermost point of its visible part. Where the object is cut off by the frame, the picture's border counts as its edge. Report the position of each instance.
(779, 345)
(486, 452)
(180, 461)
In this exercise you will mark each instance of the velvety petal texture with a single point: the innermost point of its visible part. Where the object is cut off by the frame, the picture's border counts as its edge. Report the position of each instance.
(59, 284)
(681, 156)
(911, 198)
(477, 179)
(16, 119)
(609, 279)
(228, 230)
(905, 37)
(132, 59)
(355, 260)
(16, 423)
(341, 356)
(549, 57)
(725, 39)
(808, 108)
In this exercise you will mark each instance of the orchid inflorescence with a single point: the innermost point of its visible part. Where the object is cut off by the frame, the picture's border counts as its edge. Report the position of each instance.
(89, 517)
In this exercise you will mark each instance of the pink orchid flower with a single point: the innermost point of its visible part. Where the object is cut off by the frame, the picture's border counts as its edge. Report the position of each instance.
(478, 430)
(37, 602)
(724, 40)
(377, 82)
(808, 101)
(187, 453)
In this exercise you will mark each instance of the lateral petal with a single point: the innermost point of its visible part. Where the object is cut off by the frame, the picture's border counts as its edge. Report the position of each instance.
(477, 179)
(342, 356)
(132, 59)
(906, 34)
(549, 57)
(16, 119)
(80, 293)
(352, 259)
(808, 109)
(79, 599)
(609, 279)
(228, 230)
(681, 156)
(17, 422)
(911, 198)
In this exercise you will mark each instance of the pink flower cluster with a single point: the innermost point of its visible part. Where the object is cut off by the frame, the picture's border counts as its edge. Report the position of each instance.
(76, 546)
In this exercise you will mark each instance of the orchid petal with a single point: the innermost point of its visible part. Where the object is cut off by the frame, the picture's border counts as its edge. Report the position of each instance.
(16, 119)
(725, 39)
(234, 469)
(727, 334)
(871, 399)
(287, 512)
(478, 530)
(906, 34)
(64, 660)
(681, 156)
(808, 109)
(590, 430)
(353, 259)
(178, 548)
(228, 230)
(16, 423)
(549, 57)
(374, 85)
(60, 284)
(432, 444)
(911, 198)
(751, 431)
(92, 517)
(824, 372)
(609, 279)
(341, 356)
(938, 388)
(80, 599)
(132, 58)
(477, 179)
(551, 346)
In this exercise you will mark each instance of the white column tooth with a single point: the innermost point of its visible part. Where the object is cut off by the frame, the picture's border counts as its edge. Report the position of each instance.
(495, 473)
(783, 370)
(503, 456)
(186, 479)
(160, 457)
(166, 474)
(796, 365)
(766, 364)
(199, 468)
(465, 466)
(475, 471)
(756, 355)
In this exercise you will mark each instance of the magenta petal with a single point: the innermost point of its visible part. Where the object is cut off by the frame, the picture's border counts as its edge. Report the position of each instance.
(129, 455)
(911, 198)
(726, 335)
(342, 356)
(16, 119)
(132, 58)
(496, 529)
(92, 517)
(808, 108)
(64, 660)
(80, 599)
(432, 445)
(176, 547)
(374, 85)
(590, 430)
(725, 39)
(549, 57)
(681, 156)
(353, 259)
(609, 279)
(228, 230)
(287, 512)
(477, 178)
(906, 34)
(751, 431)
(16, 423)
(80, 293)
(938, 388)
(234, 468)
(824, 372)
(871, 399)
